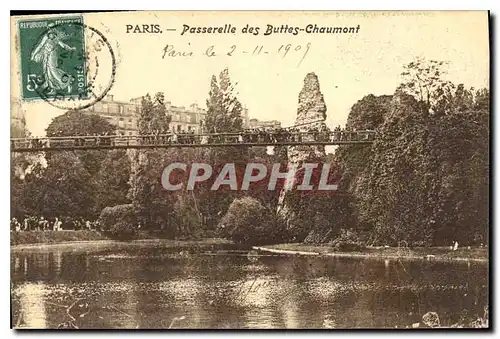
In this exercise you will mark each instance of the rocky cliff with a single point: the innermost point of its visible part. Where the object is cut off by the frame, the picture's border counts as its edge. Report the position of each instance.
(311, 114)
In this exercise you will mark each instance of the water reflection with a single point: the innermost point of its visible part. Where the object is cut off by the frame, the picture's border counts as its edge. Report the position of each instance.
(32, 306)
(154, 287)
(57, 259)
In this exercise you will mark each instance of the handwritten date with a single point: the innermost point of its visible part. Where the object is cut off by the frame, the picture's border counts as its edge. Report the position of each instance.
(283, 51)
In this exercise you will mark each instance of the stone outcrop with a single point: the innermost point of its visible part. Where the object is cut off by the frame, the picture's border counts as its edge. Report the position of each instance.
(311, 114)
(311, 103)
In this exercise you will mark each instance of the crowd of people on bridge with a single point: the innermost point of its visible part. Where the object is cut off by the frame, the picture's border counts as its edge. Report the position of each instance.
(35, 223)
(262, 136)
(246, 136)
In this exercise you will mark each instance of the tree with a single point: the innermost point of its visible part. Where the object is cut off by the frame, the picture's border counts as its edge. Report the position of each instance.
(369, 113)
(62, 188)
(223, 108)
(152, 203)
(74, 123)
(223, 116)
(21, 170)
(112, 180)
(154, 115)
(248, 222)
(19, 163)
(419, 184)
(425, 178)
(423, 80)
(64, 183)
(119, 221)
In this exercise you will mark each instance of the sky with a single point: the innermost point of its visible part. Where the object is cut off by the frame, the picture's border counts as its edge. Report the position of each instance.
(349, 66)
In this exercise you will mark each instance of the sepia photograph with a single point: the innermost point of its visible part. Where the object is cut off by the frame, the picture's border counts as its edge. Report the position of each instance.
(250, 170)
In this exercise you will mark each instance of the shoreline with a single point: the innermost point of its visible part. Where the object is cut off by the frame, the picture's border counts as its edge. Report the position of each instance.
(81, 238)
(107, 242)
(66, 237)
(427, 254)
(50, 237)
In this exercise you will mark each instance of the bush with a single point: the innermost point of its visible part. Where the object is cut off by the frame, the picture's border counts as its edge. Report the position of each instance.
(123, 230)
(119, 222)
(347, 241)
(248, 222)
(186, 223)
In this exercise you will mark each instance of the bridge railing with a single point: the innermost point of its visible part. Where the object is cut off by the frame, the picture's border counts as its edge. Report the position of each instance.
(202, 140)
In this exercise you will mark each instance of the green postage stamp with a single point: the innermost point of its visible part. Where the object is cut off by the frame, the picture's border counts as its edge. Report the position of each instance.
(52, 58)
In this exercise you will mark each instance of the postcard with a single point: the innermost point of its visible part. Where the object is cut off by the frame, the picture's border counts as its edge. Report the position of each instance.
(250, 170)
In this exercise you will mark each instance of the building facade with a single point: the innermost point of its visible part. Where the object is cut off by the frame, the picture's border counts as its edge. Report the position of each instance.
(186, 120)
(17, 119)
(125, 115)
(267, 124)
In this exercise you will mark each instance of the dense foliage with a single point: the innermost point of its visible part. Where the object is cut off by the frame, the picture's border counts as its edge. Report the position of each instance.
(112, 180)
(76, 184)
(223, 115)
(119, 221)
(152, 203)
(78, 123)
(424, 181)
(427, 182)
(61, 188)
(184, 213)
(247, 221)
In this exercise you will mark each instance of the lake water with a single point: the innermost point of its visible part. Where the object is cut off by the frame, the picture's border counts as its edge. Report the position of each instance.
(143, 285)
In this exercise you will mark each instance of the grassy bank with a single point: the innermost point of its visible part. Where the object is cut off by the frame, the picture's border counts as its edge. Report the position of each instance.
(53, 237)
(430, 253)
(59, 237)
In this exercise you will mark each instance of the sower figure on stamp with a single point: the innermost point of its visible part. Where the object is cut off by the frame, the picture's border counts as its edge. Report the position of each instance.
(46, 53)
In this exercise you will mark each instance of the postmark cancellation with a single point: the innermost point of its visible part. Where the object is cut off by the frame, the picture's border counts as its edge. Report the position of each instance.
(64, 62)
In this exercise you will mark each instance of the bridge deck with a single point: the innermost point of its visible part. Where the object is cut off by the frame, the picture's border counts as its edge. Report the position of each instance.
(190, 140)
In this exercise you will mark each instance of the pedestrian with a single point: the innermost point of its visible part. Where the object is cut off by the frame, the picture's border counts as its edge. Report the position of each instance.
(41, 224)
(57, 224)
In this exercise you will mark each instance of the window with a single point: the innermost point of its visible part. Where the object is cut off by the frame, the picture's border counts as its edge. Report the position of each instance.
(105, 107)
(189, 128)
(178, 128)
